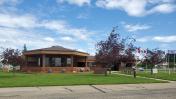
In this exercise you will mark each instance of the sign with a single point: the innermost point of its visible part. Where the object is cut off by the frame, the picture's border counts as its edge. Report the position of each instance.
(155, 70)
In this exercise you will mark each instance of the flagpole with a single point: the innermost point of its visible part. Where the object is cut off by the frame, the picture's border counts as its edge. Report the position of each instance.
(146, 67)
(166, 60)
(146, 61)
(169, 62)
(174, 61)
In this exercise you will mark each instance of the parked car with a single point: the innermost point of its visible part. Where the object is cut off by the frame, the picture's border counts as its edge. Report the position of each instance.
(141, 69)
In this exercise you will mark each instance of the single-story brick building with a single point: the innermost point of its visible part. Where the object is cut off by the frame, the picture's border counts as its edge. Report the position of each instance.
(57, 59)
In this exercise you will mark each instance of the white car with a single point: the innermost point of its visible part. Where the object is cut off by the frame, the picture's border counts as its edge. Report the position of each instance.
(141, 69)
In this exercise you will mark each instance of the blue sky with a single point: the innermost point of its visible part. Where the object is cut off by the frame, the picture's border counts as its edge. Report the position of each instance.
(79, 24)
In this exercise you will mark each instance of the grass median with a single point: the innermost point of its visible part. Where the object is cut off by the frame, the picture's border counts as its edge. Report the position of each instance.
(39, 79)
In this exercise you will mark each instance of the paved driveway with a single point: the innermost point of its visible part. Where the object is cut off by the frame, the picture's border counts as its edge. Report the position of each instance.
(125, 91)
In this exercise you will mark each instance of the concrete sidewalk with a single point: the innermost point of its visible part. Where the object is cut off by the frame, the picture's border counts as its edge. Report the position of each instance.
(143, 77)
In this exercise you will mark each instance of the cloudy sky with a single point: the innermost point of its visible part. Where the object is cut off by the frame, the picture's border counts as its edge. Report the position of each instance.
(79, 24)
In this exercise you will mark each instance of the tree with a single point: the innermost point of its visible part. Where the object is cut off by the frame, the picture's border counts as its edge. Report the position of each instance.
(154, 57)
(12, 57)
(113, 50)
(130, 48)
(24, 48)
(1, 49)
(1, 65)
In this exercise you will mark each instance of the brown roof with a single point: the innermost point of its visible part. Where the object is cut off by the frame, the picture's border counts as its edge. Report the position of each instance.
(56, 50)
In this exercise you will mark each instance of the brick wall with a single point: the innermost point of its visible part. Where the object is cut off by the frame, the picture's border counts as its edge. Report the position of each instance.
(55, 69)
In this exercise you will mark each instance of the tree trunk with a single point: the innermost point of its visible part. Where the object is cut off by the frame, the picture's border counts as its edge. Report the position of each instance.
(151, 71)
(13, 71)
(105, 71)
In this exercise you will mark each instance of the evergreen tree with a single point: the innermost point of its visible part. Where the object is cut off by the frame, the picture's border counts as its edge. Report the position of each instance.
(24, 48)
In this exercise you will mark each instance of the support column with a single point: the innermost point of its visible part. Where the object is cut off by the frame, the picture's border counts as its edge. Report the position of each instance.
(86, 61)
(71, 61)
(43, 60)
(39, 62)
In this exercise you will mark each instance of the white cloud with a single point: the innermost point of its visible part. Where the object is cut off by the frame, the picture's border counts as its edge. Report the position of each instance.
(55, 25)
(16, 21)
(31, 22)
(135, 27)
(82, 50)
(15, 38)
(132, 7)
(76, 2)
(161, 39)
(163, 8)
(139, 7)
(165, 39)
(64, 28)
(17, 30)
(66, 38)
(144, 39)
(50, 39)
(161, 1)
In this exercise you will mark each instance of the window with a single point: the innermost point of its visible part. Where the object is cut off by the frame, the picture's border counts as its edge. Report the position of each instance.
(47, 61)
(68, 61)
(57, 61)
(32, 59)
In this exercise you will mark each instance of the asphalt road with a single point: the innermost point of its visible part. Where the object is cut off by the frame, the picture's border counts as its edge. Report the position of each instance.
(128, 91)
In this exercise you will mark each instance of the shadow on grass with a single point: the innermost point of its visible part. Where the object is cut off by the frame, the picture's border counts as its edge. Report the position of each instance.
(7, 76)
(11, 75)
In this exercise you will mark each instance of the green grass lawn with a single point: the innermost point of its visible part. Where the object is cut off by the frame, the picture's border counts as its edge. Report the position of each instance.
(161, 75)
(22, 79)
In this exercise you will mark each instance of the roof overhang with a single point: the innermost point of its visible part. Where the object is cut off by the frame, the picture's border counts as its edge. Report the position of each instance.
(38, 52)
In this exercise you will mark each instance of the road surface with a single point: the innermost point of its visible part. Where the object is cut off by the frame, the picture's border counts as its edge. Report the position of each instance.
(124, 91)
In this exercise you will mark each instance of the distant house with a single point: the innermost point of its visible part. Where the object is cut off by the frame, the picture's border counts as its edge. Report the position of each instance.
(57, 59)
